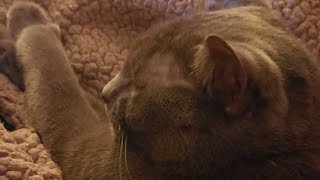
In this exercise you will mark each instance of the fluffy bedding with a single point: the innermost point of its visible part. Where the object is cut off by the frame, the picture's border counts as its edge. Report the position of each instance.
(96, 35)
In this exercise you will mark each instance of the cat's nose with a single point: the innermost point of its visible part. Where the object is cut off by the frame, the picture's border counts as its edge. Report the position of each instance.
(110, 90)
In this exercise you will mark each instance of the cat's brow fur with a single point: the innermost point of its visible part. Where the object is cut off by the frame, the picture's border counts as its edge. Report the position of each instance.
(255, 117)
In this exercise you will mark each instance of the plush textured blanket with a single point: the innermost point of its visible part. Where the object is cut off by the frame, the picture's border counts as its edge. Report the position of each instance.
(96, 35)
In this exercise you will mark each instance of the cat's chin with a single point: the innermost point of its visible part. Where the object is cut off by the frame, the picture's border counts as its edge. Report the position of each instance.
(164, 158)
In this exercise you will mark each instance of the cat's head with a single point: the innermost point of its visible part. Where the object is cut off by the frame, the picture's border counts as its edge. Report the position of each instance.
(200, 113)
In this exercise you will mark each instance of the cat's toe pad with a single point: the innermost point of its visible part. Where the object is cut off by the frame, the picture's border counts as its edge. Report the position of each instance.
(23, 14)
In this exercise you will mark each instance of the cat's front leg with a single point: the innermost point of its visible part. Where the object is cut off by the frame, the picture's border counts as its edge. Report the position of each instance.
(55, 105)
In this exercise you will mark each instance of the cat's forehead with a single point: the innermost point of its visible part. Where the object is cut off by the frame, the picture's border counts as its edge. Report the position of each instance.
(163, 70)
(163, 65)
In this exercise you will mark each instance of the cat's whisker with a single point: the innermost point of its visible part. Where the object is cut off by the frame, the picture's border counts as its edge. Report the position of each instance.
(117, 150)
(120, 155)
(173, 171)
(125, 158)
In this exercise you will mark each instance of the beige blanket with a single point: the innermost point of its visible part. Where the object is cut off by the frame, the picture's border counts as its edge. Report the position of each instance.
(96, 35)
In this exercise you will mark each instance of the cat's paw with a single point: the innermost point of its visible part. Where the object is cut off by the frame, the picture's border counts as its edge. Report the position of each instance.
(9, 64)
(24, 14)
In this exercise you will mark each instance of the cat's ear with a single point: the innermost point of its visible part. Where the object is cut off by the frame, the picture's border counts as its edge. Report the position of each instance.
(229, 82)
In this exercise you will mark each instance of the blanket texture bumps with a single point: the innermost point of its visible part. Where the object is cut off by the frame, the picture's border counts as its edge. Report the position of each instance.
(96, 34)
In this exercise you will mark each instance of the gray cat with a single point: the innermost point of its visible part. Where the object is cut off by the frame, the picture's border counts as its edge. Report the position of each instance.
(226, 95)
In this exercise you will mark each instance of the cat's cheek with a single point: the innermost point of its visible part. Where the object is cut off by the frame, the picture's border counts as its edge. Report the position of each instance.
(175, 143)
